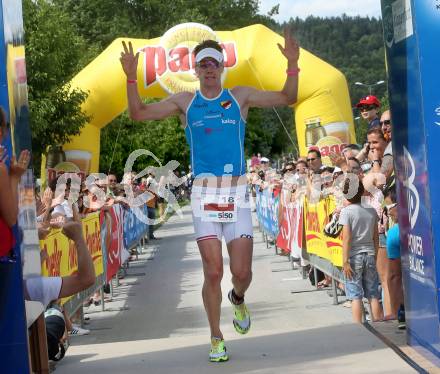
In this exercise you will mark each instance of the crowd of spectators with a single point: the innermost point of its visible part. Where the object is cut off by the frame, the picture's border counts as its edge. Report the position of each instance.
(361, 180)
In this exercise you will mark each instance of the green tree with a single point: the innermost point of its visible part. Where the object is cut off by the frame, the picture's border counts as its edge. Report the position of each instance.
(101, 21)
(53, 52)
(354, 45)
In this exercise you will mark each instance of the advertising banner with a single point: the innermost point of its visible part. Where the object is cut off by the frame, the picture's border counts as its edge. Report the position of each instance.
(59, 253)
(92, 233)
(411, 30)
(316, 216)
(112, 239)
(17, 264)
(290, 235)
(267, 210)
(134, 228)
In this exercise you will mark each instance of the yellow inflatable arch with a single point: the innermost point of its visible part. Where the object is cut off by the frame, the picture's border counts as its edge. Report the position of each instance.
(323, 113)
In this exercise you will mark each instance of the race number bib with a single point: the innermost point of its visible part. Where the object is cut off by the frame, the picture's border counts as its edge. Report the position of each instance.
(219, 208)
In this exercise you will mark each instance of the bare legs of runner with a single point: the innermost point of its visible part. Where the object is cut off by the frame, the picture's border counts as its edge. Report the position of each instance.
(240, 253)
(240, 263)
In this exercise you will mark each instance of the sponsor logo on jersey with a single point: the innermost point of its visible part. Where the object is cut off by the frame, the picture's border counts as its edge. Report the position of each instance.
(210, 130)
(197, 124)
(226, 104)
(229, 121)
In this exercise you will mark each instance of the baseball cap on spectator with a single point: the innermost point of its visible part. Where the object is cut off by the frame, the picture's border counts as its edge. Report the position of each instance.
(368, 100)
(264, 159)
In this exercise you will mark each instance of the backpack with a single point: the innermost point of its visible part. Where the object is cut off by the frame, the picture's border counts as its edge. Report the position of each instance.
(55, 327)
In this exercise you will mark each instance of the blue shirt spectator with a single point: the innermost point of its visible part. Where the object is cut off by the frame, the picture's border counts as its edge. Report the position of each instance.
(393, 243)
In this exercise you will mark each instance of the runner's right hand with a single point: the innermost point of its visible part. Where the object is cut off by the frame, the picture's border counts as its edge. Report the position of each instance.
(129, 61)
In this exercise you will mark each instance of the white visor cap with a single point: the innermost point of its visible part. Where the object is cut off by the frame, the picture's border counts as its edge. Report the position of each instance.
(209, 52)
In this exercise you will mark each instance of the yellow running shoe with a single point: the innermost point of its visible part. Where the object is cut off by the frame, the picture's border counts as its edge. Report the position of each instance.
(218, 351)
(242, 320)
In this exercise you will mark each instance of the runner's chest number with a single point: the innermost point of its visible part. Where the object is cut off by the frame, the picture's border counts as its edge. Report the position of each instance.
(219, 208)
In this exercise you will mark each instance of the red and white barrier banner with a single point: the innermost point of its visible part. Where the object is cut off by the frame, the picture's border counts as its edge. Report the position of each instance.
(290, 237)
(112, 239)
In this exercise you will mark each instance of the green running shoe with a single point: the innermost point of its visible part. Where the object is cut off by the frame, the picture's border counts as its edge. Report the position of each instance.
(218, 351)
(242, 320)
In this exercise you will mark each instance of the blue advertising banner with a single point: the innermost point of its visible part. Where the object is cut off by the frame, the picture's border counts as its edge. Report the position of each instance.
(134, 227)
(267, 211)
(13, 99)
(411, 30)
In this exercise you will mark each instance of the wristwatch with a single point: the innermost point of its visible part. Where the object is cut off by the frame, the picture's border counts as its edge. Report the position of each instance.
(378, 161)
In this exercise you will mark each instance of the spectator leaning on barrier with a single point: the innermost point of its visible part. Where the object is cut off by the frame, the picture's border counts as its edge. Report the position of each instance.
(369, 108)
(288, 172)
(62, 208)
(360, 244)
(302, 172)
(112, 182)
(314, 181)
(327, 179)
(264, 162)
(314, 161)
(301, 168)
(289, 183)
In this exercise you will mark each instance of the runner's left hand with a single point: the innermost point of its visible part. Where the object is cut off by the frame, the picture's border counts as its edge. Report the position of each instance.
(291, 47)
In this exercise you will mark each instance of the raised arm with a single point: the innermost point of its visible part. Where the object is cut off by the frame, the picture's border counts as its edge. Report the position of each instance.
(138, 110)
(85, 276)
(289, 94)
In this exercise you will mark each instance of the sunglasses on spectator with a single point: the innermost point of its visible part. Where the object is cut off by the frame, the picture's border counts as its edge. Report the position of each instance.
(288, 169)
(311, 159)
(386, 122)
(391, 206)
(367, 108)
(208, 64)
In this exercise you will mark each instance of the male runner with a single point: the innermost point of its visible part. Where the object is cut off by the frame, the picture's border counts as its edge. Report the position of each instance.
(214, 120)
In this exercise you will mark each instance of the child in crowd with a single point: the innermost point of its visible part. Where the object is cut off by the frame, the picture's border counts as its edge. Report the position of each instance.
(360, 244)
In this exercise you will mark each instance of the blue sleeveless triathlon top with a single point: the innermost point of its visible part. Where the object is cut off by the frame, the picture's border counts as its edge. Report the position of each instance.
(215, 134)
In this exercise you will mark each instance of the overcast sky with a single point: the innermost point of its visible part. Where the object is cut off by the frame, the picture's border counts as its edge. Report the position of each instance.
(322, 8)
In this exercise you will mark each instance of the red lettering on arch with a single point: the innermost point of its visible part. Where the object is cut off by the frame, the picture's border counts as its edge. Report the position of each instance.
(179, 59)
(231, 55)
(155, 63)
